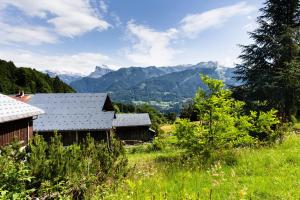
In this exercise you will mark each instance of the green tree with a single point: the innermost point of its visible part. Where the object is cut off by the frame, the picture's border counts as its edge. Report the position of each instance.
(171, 116)
(222, 123)
(222, 115)
(270, 66)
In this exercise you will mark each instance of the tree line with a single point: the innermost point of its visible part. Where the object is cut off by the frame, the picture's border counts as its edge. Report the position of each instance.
(14, 79)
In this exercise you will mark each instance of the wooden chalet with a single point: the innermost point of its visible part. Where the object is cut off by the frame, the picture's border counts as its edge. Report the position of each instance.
(74, 115)
(133, 127)
(16, 120)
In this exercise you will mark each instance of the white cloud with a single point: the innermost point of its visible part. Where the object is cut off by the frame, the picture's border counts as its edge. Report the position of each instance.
(25, 34)
(252, 25)
(82, 63)
(150, 47)
(228, 60)
(191, 25)
(103, 6)
(69, 18)
(116, 19)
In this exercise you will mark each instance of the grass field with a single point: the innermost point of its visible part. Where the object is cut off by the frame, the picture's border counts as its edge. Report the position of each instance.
(297, 126)
(265, 173)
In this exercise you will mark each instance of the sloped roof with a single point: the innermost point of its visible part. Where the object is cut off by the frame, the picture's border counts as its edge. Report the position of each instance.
(11, 109)
(132, 119)
(72, 111)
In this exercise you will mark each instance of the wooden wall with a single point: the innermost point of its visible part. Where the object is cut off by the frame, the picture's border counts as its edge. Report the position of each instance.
(139, 133)
(15, 130)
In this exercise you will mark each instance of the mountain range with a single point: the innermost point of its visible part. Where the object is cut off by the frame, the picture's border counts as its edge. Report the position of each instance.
(68, 77)
(64, 76)
(160, 86)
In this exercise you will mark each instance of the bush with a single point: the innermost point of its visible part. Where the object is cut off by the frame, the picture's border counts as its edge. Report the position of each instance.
(165, 140)
(141, 148)
(50, 171)
(264, 126)
(14, 173)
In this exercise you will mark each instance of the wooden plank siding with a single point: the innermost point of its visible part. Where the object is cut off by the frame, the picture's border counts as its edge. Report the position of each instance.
(16, 130)
(139, 133)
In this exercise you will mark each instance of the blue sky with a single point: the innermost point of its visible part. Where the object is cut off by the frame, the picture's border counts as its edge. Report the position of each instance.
(77, 35)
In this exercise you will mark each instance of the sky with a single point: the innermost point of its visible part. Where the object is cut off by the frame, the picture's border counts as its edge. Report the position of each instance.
(76, 35)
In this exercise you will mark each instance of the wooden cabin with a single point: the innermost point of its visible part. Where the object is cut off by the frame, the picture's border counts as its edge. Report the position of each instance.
(74, 115)
(133, 127)
(16, 120)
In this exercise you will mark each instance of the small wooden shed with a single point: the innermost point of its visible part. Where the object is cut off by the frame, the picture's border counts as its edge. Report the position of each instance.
(133, 127)
(16, 120)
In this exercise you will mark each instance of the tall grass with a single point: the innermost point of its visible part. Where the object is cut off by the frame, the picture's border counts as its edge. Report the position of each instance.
(264, 173)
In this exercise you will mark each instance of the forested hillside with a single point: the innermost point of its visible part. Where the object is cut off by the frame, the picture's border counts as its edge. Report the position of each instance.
(13, 79)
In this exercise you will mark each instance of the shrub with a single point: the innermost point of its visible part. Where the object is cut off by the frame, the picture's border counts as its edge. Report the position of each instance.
(14, 173)
(165, 140)
(141, 148)
(50, 171)
(264, 126)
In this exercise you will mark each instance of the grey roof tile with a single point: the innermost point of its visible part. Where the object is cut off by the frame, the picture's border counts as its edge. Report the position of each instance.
(11, 109)
(72, 111)
(132, 119)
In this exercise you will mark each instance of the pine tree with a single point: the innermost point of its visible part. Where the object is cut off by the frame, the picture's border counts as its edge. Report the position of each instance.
(270, 68)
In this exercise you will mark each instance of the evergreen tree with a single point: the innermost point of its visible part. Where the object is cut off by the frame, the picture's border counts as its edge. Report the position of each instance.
(270, 68)
(189, 111)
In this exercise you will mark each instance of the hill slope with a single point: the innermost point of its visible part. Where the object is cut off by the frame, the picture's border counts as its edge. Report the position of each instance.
(13, 79)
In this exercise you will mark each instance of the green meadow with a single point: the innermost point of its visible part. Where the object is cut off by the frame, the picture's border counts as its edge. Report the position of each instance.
(256, 173)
